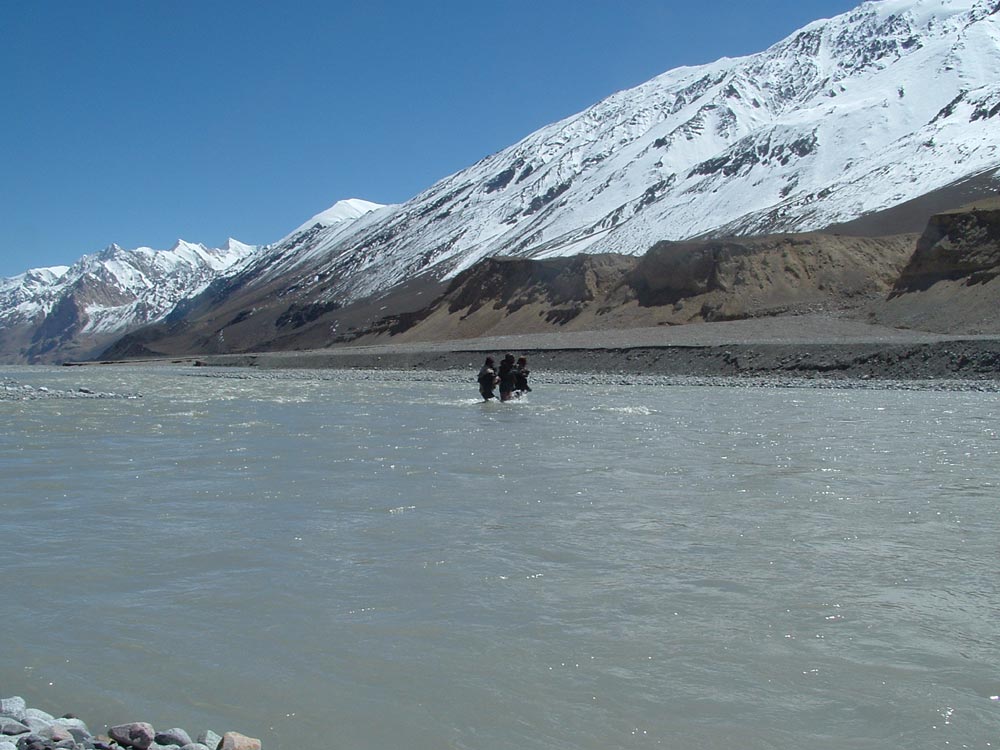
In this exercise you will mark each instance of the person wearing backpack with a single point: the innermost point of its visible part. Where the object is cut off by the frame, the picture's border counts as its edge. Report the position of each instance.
(487, 380)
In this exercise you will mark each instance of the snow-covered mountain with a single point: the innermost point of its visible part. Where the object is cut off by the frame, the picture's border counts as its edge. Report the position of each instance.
(846, 117)
(307, 245)
(74, 309)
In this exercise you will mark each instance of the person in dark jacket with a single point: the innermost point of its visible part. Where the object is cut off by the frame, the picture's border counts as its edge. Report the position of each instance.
(506, 374)
(521, 373)
(487, 380)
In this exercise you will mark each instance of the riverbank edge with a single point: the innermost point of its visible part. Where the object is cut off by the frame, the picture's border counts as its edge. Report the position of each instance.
(945, 359)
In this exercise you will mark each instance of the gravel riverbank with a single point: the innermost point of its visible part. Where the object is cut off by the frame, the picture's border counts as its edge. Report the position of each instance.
(814, 346)
(800, 347)
(958, 359)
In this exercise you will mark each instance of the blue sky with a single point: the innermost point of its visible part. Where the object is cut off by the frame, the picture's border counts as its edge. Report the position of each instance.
(143, 122)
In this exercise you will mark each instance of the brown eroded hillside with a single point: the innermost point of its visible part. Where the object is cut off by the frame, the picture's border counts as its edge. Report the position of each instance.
(674, 283)
(945, 281)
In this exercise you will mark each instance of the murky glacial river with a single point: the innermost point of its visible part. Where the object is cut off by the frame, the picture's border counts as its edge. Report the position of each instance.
(361, 561)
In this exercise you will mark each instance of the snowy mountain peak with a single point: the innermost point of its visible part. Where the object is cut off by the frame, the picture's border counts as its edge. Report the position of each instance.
(47, 275)
(105, 294)
(180, 246)
(339, 212)
(235, 246)
(24, 285)
(843, 119)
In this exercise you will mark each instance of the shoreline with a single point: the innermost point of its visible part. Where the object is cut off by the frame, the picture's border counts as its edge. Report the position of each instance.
(808, 346)
(26, 728)
(958, 359)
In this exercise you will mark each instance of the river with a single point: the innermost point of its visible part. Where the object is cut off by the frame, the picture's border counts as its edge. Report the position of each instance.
(377, 560)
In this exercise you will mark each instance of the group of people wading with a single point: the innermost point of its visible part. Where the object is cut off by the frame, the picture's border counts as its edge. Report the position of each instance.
(511, 378)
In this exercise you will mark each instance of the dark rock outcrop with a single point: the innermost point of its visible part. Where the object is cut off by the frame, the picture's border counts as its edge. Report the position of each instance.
(958, 245)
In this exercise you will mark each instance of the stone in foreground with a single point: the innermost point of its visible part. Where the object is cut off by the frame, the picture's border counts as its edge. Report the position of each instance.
(138, 735)
(237, 741)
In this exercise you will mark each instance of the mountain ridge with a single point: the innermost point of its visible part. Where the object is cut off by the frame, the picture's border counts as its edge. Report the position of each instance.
(842, 121)
(740, 133)
(79, 309)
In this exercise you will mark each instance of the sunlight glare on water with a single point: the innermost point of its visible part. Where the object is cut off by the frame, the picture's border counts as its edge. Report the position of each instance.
(382, 558)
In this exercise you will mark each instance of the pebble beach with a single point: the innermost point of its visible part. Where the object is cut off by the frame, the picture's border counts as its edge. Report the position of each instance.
(808, 347)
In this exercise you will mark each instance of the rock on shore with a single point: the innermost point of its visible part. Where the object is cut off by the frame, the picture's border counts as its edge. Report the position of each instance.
(24, 728)
(12, 390)
(953, 360)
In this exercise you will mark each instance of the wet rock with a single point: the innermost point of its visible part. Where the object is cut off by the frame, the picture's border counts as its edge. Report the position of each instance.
(10, 727)
(210, 739)
(13, 707)
(237, 741)
(175, 736)
(40, 731)
(57, 734)
(35, 713)
(31, 742)
(137, 734)
(75, 727)
(36, 724)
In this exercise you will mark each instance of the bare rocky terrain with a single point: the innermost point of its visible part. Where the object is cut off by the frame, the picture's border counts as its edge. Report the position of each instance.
(832, 305)
(673, 284)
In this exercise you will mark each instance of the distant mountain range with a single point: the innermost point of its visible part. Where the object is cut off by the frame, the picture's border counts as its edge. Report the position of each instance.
(863, 123)
(50, 314)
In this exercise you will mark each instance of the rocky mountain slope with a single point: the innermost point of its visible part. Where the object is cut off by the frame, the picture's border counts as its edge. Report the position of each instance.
(843, 121)
(858, 122)
(75, 312)
(846, 117)
(674, 283)
(51, 314)
(944, 280)
(952, 281)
